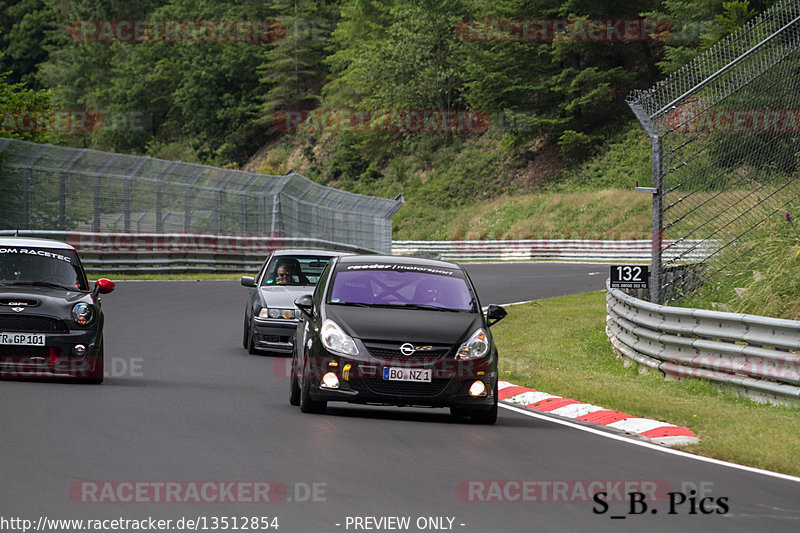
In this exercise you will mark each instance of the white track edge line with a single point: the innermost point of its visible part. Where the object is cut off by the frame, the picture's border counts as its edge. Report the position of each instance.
(650, 445)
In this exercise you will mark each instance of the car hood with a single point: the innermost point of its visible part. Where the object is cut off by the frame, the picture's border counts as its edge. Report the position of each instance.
(39, 300)
(405, 325)
(282, 297)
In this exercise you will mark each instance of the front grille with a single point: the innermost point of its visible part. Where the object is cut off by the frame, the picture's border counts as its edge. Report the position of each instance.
(406, 388)
(39, 324)
(25, 351)
(392, 351)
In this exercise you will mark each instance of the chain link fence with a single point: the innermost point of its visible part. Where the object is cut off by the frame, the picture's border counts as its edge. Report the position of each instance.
(725, 134)
(45, 187)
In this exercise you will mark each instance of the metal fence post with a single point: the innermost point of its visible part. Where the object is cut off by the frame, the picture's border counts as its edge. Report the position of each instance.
(62, 201)
(657, 233)
(26, 198)
(96, 219)
(187, 209)
(126, 209)
(658, 223)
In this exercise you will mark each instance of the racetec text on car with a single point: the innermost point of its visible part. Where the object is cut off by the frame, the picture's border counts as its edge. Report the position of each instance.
(399, 331)
(51, 324)
(270, 317)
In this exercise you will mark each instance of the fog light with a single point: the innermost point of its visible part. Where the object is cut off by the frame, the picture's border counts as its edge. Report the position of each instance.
(79, 350)
(330, 381)
(477, 389)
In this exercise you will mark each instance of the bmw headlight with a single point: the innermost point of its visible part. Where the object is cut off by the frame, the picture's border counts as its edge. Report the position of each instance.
(82, 314)
(336, 340)
(270, 312)
(476, 346)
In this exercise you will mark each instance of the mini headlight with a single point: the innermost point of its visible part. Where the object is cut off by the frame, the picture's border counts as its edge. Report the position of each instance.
(476, 346)
(336, 340)
(82, 314)
(277, 313)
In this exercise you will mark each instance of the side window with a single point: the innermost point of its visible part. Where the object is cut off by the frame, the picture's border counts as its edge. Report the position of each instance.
(265, 268)
(323, 280)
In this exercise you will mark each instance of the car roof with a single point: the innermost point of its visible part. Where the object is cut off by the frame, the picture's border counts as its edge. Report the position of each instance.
(32, 242)
(308, 251)
(399, 259)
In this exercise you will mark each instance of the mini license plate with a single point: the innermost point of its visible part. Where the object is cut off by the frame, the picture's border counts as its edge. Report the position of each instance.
(22, 339)
(406, 374)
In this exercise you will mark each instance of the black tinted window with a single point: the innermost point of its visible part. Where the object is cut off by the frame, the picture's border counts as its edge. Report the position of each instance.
(26, 265)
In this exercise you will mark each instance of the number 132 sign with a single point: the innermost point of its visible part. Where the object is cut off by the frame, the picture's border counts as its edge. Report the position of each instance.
(629, 276)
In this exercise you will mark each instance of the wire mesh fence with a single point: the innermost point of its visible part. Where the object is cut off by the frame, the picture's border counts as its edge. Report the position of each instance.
(725, 132)
(45, 187)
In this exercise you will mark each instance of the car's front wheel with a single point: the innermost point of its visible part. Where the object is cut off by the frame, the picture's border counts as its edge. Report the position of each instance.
(294, 387)
(307, 403)
(251, 343)
(487, 417)
(95, 377)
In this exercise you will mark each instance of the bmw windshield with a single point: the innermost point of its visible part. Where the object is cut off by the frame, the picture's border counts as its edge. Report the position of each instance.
(398, 285)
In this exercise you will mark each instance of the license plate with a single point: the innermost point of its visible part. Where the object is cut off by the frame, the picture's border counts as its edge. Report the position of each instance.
(406, 374)
(22, 339)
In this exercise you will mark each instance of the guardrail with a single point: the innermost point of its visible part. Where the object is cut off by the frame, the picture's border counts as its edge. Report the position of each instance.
(121, 252)
(176, 252)
(757, 355)
(549, 250)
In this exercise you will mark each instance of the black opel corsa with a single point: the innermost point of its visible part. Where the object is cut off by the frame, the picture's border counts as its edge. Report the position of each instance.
(395, 331)
(51, 325)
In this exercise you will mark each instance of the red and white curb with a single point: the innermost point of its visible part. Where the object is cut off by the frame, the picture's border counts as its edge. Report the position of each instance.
(653, 430)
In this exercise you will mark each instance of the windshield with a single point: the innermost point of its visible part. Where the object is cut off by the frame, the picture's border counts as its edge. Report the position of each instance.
(294, 269)
(402, 286)
(40, 266)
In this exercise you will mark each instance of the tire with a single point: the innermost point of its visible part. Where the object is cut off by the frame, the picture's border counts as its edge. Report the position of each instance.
(294, 388)
(96, 377)
(251, 348)
(488, 417)
(459, 412)
(307, 403)
(245, 339)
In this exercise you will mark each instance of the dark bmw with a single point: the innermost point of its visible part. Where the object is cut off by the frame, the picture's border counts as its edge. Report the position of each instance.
(270, 316)
(51, 324)
(396, 331)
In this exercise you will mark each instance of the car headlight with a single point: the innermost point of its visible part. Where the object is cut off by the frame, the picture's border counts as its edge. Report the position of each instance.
(82, 314)
(476, 346)
(336, 340)
(270, 312)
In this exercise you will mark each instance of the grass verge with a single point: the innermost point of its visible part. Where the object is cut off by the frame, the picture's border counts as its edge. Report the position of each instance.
(559, 346)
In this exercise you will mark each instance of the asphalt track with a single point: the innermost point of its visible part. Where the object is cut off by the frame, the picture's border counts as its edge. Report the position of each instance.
(185, 403)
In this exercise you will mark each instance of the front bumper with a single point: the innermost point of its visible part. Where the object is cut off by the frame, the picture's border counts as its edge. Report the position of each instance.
(274, 335)
(361, 381)
(56, 359)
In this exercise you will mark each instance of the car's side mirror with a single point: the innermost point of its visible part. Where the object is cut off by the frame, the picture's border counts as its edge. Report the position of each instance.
(103, 286)
(495, 314)
(248, 281)
(306, 305)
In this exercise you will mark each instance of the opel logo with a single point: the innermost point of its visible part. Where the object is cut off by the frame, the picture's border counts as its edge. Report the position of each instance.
(407, 349)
